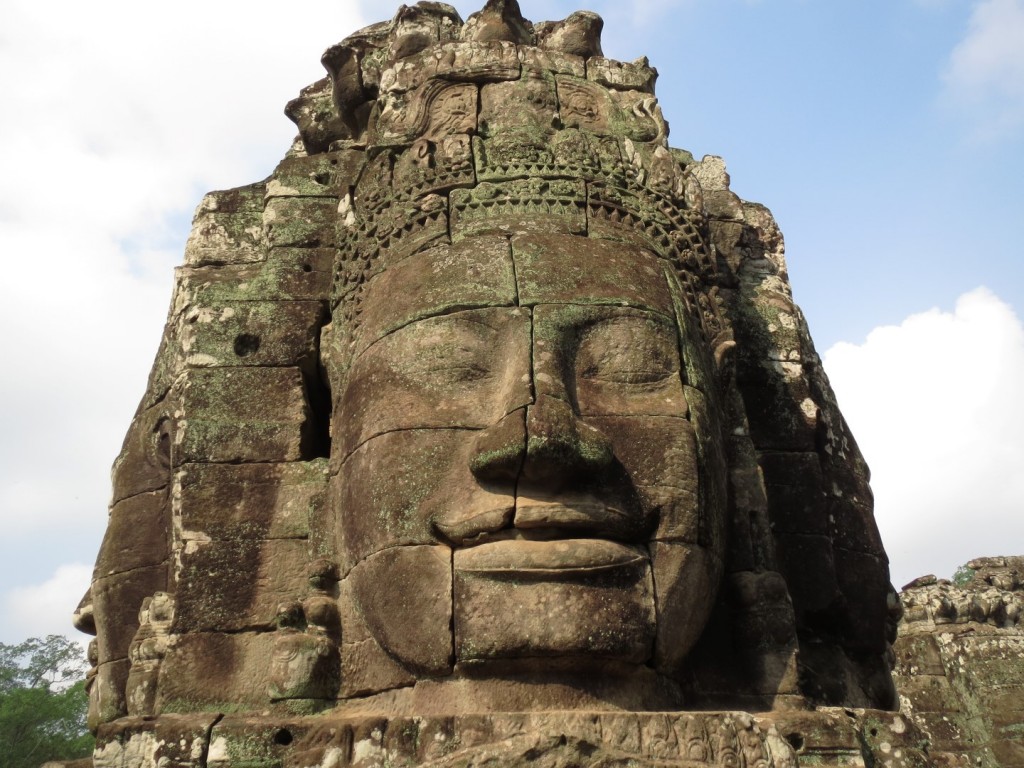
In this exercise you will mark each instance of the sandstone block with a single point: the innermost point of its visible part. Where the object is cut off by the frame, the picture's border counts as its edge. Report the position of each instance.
(118, 598)
(207, 671)
(138, 534)
(225, 233)
(561, 269)
(249, 501)
(308, 222)
(145, 458)
(242, 415)
(225, 586)
(242, 333)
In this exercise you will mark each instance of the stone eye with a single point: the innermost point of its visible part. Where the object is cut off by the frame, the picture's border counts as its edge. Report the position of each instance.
(452, 351)
(627, 351)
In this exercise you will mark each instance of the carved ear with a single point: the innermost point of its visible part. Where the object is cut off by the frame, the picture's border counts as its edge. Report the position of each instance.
(724, 350)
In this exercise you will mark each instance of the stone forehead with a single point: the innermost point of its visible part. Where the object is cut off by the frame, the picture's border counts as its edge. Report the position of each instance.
(527, 270)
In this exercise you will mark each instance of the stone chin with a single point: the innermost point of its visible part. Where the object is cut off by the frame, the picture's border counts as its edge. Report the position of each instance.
(544, 601)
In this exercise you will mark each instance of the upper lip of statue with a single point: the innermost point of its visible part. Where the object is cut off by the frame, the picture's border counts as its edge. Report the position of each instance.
(542, 516)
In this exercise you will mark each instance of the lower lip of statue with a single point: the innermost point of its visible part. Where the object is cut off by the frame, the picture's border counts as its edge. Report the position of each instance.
(548, 559)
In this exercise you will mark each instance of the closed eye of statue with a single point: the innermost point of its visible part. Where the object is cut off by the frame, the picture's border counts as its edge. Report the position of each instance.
(451, 351)
(627, 350)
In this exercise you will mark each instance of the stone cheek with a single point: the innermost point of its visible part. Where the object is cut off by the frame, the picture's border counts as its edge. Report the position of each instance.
(659, 454)
(401, 487)
(682, 572)
(404, 595)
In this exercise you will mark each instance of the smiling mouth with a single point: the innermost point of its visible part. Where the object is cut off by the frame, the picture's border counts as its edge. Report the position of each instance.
(548, 558)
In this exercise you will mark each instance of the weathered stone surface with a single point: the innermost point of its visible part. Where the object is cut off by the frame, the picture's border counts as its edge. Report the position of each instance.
(300, 222)
(427, 284)
(117, 599)
(107, 692)
(243, 415)
(146, 455)
(487, 428)
(237, 585)
(405, 597)
(560, 269)
(249, 501)
(659, 454)
(138, 534)
(517, 206)
(828, 738)
(216, 672)
(288, 274)
(516, 599)
(174, 741)
(960, 663)
(257, 333)
(402, 487)
(227, 228)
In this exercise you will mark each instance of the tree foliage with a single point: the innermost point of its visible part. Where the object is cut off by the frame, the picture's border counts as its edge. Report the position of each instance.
(42, 702)
(963, 576)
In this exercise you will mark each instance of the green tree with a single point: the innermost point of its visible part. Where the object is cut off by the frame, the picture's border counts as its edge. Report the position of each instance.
(963, 576)
(42, 702)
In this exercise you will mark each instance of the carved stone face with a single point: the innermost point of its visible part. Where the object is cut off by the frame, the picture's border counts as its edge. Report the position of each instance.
(517, 469)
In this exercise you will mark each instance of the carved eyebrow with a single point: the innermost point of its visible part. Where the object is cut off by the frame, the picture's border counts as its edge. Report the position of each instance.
(631, 314)
(453, 319)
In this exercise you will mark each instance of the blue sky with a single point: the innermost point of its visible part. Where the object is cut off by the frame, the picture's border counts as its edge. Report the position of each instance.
(886, 136)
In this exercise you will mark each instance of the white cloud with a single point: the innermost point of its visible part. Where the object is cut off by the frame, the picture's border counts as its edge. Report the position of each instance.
(45, 609)
(116, 118)
(986, 69)
(935, 404)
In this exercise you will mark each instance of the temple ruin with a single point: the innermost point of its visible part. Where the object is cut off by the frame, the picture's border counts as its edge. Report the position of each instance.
(486, 431)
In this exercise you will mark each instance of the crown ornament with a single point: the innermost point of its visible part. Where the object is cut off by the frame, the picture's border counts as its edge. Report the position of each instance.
(493, 125)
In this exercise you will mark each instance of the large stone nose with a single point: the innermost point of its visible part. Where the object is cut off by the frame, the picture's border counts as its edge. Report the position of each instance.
(545, 444)
(498, 451)
(560, 447)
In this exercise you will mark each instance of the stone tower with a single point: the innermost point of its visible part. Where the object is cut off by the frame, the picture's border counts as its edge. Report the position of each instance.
(486, 429)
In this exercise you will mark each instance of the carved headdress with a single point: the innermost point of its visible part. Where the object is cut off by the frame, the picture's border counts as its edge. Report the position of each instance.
(470, 129)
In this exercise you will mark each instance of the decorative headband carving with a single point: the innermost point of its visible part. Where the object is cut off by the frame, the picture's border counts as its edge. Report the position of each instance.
(474, 128)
